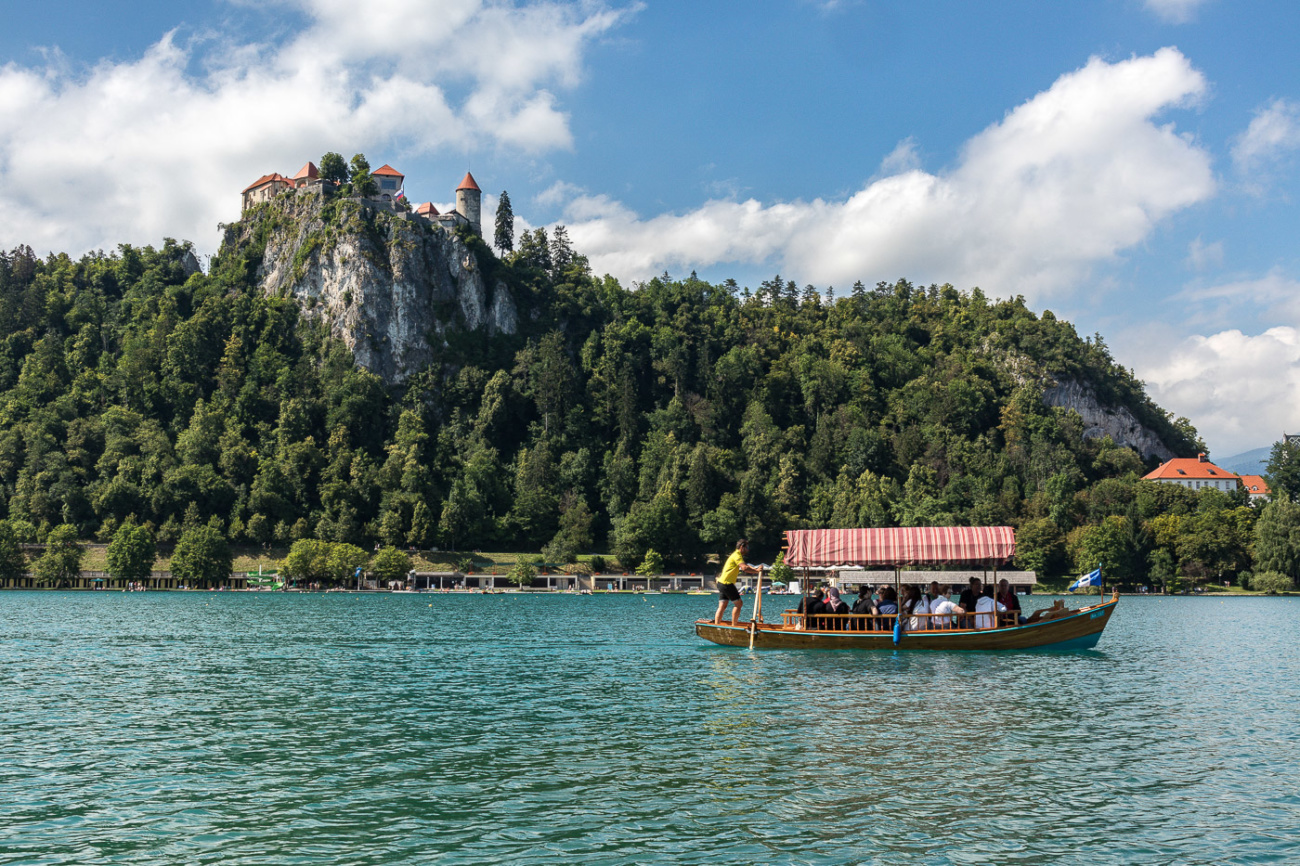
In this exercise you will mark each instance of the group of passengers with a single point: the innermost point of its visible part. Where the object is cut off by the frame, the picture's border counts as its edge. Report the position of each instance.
(881, 609)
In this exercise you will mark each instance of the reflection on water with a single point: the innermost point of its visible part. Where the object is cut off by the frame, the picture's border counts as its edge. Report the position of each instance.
(277, 729)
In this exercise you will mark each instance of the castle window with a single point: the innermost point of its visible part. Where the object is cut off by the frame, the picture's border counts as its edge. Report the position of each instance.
(388, 184)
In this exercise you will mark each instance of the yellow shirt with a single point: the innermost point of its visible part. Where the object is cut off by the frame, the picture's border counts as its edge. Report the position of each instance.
(731, 570)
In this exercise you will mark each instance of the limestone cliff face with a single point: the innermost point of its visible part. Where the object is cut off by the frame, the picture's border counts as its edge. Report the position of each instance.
(390, 285)
(1117, 422)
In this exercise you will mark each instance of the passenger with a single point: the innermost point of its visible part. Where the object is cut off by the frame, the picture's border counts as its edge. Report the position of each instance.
(833, 604)
(810, 606)
(985, 607)
(914, 605)
(886, 606)
(1008, 599)
(943, 606)
(864, 607)
(966, 603)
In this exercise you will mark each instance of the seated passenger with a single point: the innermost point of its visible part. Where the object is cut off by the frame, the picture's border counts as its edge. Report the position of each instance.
(863, 607)
(943, 606)
(886, 605)
(915, 604)
(985, 607)
(833, 604)
(1008, 599)
(809, 607)
(969, 597)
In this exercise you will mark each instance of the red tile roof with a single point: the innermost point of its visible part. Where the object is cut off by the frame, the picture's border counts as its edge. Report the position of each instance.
(1255, 484)
(307, 172)
(1188, 468)
(468, 183)
(386, 169)
(264, 180)
(427, 209)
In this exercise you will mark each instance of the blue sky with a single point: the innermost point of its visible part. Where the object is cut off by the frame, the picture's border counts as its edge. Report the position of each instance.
(1130, 164)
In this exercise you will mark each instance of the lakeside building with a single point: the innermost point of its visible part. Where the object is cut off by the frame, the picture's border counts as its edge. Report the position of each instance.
(389, 191)
(1194, 473)
(1257, 487)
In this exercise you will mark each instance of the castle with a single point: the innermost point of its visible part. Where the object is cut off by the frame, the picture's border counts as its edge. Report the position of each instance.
(389, 192)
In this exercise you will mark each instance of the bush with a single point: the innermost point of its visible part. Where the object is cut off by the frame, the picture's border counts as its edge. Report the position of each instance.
(1243, 578)
(1272, 582)
(598, 565)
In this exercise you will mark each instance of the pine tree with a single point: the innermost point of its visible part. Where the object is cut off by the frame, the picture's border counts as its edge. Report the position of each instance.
(561, 251)
(504, 239)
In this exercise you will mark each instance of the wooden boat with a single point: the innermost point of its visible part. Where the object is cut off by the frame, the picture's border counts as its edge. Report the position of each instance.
(1059, 629)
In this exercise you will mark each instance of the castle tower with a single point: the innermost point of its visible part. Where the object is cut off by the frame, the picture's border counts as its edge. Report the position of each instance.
(468, 202)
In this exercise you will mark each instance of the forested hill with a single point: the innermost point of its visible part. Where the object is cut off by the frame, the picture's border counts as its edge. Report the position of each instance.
(677, 415)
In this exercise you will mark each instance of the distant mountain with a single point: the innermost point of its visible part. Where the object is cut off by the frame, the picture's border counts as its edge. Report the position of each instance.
(1252, 462)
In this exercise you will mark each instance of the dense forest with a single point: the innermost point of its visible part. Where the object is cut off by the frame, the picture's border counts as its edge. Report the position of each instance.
(674, 416)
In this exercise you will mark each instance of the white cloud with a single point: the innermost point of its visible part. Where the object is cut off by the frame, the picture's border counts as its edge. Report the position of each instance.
(1241, 390)
(136, 150)
(1273, 132)
(1072, 177)
(903, 158)
(1175, 11)
(1201, 255)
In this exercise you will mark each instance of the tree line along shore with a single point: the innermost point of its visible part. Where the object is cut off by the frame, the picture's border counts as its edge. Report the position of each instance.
(140, 396)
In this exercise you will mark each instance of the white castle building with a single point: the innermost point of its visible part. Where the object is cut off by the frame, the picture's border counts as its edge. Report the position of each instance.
(389, 190)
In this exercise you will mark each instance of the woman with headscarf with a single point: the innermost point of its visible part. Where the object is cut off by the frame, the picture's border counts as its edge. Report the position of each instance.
(834, 604)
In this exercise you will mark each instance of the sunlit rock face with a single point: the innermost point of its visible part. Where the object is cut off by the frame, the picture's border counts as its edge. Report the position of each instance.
(1117, 422)
(391, 285)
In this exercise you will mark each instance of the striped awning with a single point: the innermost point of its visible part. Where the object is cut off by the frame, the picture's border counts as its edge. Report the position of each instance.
(917, 545)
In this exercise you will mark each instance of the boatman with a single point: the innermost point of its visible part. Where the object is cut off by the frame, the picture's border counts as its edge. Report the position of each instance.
(727, 591)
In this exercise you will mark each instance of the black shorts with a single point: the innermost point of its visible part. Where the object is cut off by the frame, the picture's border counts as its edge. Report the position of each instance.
(728, 592)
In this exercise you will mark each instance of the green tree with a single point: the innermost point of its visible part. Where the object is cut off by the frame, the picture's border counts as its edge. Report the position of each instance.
(781, 573)
(652, 564)
(61, 562)
(521, 574)
(363, 184)
(504, 237)
(131, 553)
(308, 561)
(1277, 538)
(333, 168)
(1284, 471)
(202, 557)
(343, 561)
(13, 563)
(391, 564)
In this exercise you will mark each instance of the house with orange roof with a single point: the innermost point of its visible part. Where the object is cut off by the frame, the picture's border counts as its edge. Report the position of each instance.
(1257, 487)
(306, 176)
(389, 181)
(265, 188)
(1194, 473)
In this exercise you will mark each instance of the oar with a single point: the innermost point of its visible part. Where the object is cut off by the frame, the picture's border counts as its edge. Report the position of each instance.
(758, 610)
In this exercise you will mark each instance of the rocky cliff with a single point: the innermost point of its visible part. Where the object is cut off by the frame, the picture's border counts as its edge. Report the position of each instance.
(389, 284)
(1117, 422)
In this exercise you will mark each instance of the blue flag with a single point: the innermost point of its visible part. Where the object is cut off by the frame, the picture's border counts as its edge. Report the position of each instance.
(1092, 578)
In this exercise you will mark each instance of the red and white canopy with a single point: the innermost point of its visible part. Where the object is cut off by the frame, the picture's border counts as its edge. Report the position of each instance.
(917, 545)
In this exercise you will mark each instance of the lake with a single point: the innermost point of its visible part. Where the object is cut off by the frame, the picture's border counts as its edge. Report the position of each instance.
(249, 728)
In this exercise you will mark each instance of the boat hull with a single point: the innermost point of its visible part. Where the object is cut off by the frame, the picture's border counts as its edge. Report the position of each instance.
(1080, 630)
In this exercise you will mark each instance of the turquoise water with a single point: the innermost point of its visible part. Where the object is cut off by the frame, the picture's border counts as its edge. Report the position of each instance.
(156, 728)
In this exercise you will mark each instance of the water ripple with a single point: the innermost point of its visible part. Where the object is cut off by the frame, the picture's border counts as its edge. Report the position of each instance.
(394, 729)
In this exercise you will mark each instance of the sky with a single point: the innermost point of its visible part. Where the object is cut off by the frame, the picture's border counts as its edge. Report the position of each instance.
(1131, 165)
